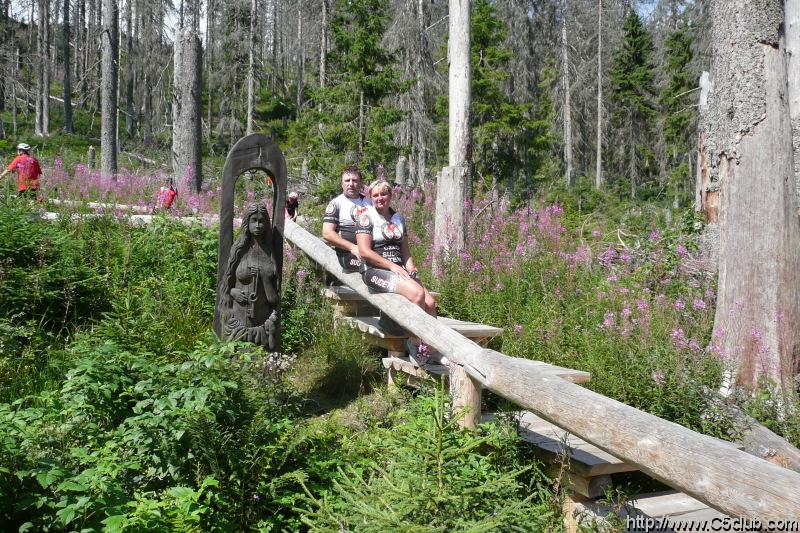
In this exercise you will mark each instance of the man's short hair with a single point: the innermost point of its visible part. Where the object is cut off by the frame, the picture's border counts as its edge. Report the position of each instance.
(351, 169)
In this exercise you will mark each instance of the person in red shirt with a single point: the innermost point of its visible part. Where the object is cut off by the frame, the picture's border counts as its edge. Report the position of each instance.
(166, 196)
(27, 169)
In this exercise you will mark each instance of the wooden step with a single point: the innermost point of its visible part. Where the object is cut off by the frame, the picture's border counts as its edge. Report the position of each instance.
(586, 459)
(659, 512)
(347, 302)
(369, 326)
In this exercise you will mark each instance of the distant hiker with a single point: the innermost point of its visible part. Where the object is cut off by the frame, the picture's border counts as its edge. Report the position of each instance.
(292, 206)
(339, 220)
(27, 169)
(166, 196)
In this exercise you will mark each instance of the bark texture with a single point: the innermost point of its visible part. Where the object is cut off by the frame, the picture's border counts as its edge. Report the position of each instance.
(792, 27)
(108, 88)
(186, 108)
(749, 148)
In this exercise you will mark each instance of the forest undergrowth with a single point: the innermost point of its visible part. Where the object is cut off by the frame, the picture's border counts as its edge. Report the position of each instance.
(123, 412)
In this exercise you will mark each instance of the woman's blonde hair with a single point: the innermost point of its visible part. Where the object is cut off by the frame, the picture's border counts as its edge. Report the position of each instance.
(379, 184)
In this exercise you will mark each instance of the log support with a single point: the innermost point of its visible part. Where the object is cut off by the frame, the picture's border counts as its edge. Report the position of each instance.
(466, 393)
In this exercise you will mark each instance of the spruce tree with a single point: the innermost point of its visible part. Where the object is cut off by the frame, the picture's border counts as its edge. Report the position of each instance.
(501, 128)
(676, 105)
(632, 96)
(355, 123)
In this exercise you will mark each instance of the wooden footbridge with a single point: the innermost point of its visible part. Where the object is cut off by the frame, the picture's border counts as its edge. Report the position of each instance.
(606, 436)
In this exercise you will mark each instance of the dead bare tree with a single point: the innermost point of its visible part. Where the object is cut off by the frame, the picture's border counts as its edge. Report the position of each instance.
(109, 85)
(749, 146)
(186, 107)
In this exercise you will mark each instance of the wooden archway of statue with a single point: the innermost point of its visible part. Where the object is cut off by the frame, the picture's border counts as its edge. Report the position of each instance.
(254, 152)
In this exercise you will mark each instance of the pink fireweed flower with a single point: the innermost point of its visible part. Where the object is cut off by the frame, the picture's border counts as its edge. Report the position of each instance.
(679, 303)
(607, 257)
(678, 338)
(609, 321)
(517, 329)
(642, 305)
(694, 346)
(658, 377)
(681, 250)
(596, 233)
(301, 275)
(655, 235)
(698, 304)
(626, 310)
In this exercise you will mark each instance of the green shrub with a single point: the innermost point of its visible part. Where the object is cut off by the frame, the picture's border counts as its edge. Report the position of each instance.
(212, 441)
(425, 474)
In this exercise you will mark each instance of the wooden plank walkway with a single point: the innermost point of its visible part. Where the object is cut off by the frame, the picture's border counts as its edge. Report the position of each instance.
(588, 474)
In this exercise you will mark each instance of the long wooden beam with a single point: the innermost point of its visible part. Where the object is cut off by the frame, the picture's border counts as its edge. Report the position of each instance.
(730, 480)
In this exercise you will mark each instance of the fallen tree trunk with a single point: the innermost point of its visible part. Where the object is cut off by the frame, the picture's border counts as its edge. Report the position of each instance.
(715, 473)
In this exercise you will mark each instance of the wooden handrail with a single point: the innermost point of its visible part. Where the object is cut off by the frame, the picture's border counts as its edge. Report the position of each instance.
(718, 474)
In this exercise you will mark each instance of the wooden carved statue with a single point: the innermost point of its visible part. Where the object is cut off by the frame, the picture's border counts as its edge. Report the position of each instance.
(249, 270)
(249, 288)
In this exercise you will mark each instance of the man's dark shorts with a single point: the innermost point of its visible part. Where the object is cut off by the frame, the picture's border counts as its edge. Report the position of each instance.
(349, 262)
(379, 279)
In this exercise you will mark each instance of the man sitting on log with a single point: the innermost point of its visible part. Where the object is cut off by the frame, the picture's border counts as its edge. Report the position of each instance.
(339, 220)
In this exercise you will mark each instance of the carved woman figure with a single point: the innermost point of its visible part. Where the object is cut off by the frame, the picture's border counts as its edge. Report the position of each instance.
(249, 286)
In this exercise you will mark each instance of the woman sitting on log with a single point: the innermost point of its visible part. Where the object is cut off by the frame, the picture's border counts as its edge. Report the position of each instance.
(249, 288)
(386, 263)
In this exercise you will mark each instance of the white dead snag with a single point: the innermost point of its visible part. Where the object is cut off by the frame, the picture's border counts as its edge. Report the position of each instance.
(108, 88)
(598, 174)
(454, 183)
(749, 147)
(300, 59)
(568, 166)
(323, 45)
(186, 109)
(792, 29)
(251, 69)
(67, 66)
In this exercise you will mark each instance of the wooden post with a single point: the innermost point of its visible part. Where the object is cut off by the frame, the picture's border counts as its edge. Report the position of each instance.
(466, 393)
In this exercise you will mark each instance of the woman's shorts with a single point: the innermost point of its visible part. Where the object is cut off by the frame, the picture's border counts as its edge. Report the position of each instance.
(379, 279)
(349, 262)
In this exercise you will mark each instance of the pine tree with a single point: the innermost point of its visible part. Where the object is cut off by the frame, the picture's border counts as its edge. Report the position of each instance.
(544, 137)
(632, 96)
